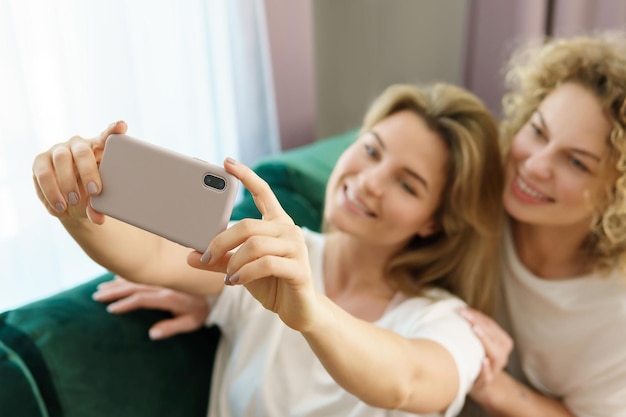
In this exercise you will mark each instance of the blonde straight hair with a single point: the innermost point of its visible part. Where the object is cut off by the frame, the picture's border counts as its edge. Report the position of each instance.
(463, 257)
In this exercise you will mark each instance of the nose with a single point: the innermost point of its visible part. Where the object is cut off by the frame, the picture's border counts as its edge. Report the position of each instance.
(372, 180)
(539, 163)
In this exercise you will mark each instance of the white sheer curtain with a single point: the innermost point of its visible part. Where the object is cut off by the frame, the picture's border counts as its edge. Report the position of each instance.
(190, 75)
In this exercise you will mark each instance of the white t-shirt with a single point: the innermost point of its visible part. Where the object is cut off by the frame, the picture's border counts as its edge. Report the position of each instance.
(264, 368)
(570, 336)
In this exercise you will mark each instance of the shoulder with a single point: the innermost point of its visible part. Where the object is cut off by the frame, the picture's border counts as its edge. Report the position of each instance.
(435, 312)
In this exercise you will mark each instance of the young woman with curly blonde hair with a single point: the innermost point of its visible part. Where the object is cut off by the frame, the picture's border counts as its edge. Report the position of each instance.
(564, 269)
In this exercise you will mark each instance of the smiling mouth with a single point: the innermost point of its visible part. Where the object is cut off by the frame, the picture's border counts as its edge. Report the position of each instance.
(528, 191)
(355, 204)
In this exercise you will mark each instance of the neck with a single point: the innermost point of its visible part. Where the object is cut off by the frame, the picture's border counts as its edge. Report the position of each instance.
(350, 266)
(551, 252)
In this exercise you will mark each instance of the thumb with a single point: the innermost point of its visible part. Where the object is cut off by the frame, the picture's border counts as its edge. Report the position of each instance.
(171, 327)
(119, 127)
(94, 216)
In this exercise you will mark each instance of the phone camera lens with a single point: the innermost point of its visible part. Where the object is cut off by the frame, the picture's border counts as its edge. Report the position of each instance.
(214, 182)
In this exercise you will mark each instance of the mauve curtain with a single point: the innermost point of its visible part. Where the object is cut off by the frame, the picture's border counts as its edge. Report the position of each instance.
(494, 28)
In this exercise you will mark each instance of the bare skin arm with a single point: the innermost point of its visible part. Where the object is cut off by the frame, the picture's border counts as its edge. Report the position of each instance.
(272, 263)
(415, 375)
(510, 398)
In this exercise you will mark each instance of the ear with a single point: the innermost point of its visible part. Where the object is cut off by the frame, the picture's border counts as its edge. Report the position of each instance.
(429, 228)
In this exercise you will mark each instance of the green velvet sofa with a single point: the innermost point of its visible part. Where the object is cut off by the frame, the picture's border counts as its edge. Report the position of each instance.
(65, 356)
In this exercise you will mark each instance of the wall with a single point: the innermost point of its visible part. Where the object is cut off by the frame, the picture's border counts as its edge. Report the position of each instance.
(362, 46)
(333, 57)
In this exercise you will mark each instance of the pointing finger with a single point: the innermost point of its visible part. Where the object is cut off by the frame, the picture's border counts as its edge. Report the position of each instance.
(263, 196)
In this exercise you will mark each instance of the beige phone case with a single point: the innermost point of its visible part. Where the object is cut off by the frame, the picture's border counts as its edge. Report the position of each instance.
(164, 192)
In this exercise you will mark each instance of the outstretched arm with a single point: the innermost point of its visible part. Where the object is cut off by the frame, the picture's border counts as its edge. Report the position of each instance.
(383, 368)
(379, 366)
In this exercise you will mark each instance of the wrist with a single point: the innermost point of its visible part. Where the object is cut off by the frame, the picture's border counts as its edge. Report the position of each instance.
(495, 394)
(322, 318)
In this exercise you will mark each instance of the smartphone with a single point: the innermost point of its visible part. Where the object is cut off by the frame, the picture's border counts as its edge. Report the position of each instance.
(181, 198)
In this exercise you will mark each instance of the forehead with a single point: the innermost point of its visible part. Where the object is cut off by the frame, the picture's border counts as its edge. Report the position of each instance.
(412, 143)
(573, 114)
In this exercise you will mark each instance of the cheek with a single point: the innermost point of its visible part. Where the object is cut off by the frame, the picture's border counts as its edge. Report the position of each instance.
(409, 216)
(331, 184)
(336, 174)
(518, 150)
(518, 153)
(573, 190)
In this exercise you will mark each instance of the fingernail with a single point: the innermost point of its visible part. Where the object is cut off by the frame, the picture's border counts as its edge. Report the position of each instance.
(155, 334)
(231, 161)
(231, 279)
(112, 307)
(112, 125)
(92, 188)
(73, 198)
(59, 207)
(206, 257)
(98, 294)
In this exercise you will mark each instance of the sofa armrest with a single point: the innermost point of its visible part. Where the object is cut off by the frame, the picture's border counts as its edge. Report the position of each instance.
(66, 356)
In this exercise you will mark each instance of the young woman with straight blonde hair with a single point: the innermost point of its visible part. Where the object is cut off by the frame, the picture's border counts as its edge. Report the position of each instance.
(361, 320)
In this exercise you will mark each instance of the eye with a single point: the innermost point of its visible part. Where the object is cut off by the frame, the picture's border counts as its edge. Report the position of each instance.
(577, 163)
(536, 130)
(371, 151)
(408, 188)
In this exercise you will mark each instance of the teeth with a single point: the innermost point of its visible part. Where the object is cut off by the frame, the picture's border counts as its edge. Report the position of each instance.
(357, 203)
(531, 192)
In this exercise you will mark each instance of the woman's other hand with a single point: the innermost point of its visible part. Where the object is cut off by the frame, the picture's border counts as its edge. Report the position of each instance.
(189, 311)
(271, 257)
(67, 175)
(498, 346)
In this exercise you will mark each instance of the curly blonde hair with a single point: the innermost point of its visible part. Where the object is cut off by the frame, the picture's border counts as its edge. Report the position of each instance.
(598, 63)
(463, 256)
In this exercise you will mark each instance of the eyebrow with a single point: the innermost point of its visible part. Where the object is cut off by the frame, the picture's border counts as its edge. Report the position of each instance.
(408, 171)
(575, 150)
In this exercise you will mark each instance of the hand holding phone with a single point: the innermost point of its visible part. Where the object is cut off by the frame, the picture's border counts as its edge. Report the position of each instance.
(183, 199)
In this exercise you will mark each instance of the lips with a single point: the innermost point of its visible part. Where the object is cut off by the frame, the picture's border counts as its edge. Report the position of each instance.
(355, 204)
(528, 193)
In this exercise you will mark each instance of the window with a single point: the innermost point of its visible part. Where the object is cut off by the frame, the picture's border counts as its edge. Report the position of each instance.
(192, 76)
